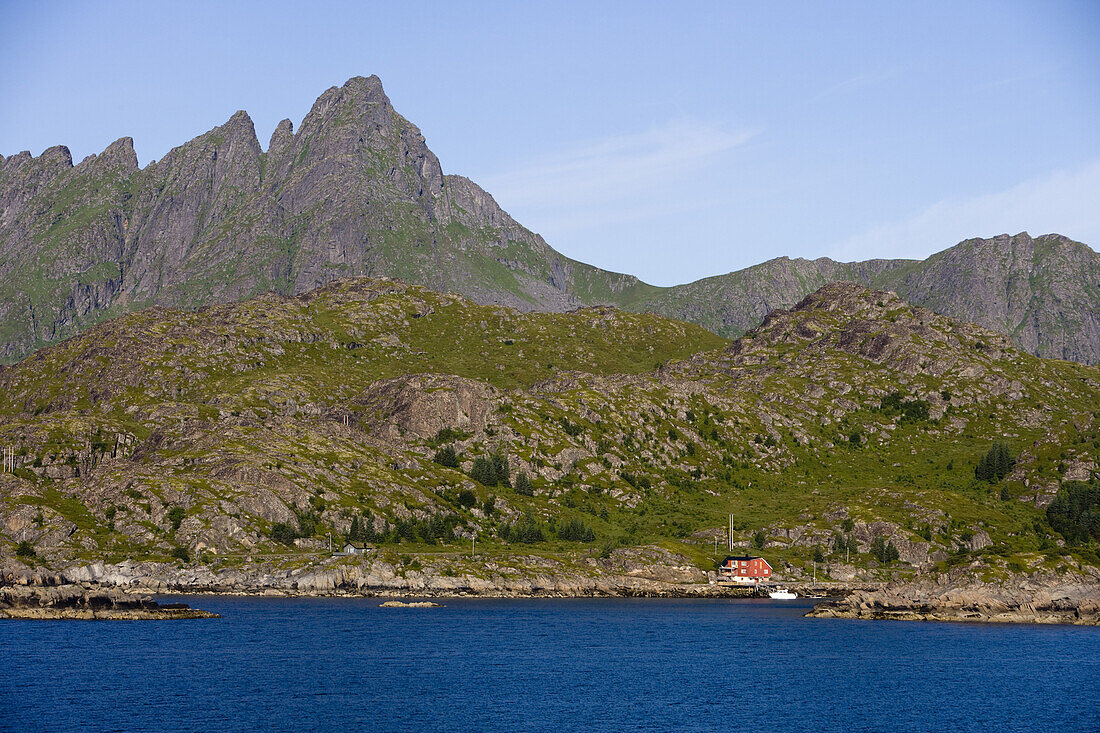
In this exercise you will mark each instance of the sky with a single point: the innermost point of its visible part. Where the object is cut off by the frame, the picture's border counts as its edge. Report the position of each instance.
(641, 137)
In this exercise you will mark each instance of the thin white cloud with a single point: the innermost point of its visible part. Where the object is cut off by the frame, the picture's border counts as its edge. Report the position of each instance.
(1064, 201)
(855, 83)
(620, 178)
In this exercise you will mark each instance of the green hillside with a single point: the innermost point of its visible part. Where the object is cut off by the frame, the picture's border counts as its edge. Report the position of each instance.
(264, 428)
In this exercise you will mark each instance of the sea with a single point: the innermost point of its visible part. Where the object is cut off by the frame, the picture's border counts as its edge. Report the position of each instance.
(340, 664)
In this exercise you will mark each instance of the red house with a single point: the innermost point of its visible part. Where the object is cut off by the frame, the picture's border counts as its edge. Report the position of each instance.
(744, 569)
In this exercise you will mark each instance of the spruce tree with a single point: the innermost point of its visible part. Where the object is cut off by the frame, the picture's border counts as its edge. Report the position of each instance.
(446, 456)
(878, 549)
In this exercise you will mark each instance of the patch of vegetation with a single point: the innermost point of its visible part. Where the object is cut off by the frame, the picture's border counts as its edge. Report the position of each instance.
(523, 485)
(175, 517)
(997, 463)
(1075, 512)
(446, 457)
(910, 411)
(491, 471)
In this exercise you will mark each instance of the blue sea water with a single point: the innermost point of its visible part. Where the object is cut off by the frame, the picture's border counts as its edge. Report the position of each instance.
(546, 665)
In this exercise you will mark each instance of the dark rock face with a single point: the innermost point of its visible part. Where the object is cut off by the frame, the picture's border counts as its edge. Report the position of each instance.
(356, 191)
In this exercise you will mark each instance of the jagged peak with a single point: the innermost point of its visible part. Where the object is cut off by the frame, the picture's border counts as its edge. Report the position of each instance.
(367, 84)
(119, 154)
(58, 154)
(283, 135)
(237, 129)
(240, 123)
(361, 91)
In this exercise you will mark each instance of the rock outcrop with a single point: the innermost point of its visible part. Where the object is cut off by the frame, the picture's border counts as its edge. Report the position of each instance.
(88, 604)
(1039, 598)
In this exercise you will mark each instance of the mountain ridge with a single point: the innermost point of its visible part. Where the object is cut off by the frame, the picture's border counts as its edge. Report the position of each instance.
(355, 190)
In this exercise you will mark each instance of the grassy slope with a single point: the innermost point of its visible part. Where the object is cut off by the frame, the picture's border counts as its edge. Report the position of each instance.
(236, 397)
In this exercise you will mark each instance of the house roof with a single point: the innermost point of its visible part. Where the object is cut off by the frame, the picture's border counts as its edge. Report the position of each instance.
(744, 558)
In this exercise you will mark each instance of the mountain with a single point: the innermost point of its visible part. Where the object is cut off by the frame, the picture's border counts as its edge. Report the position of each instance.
(239, 437)
(356, 191)
(1044, 292)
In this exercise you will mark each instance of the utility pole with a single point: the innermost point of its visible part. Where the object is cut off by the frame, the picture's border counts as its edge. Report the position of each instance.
(473, 544)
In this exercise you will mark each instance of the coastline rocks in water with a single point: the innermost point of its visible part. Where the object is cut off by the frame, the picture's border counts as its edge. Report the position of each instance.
(77, 602)
(1049, 600)
(637, 572)
(410, 604)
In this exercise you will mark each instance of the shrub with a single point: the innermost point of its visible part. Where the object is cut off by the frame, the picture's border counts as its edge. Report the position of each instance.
(175, 517)
(571, 429)
(910, 410)
(283, 533)
(181, 554)
(447, 435)
(25, 549)
(760, 539)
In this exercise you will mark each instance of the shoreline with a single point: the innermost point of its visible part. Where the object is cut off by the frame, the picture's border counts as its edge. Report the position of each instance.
(1074, 601)
(1066, 598)
(75, 602)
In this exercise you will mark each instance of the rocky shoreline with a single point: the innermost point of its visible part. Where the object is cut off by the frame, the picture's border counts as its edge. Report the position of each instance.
(106, 590)
(639, 573)
(1033, 600)
(76, 602)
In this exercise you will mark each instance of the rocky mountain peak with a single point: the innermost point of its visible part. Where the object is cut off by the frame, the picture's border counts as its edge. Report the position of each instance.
(58, 157)
(354, 132)
(283, 136)
(119, 156)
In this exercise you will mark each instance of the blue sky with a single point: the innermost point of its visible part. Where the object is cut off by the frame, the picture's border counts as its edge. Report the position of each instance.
(641, 137)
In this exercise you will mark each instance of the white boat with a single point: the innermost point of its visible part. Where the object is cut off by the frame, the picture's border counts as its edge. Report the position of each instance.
(782, 594)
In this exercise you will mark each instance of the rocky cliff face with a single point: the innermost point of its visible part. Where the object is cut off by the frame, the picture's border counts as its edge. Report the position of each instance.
(356, 191)
(1044, 292)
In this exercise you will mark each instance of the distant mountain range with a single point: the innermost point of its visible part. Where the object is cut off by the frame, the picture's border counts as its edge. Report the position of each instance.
(356, 191)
